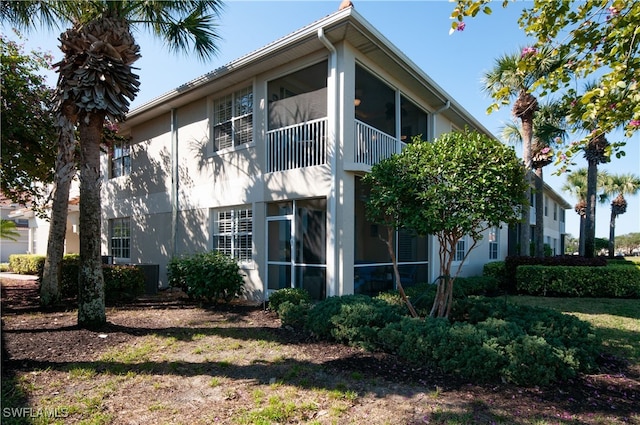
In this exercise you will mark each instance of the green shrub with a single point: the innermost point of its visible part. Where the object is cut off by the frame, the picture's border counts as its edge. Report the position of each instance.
(211, 276)
(27, 264)
(294, 315)
(477, 285)
(498, 271)
(333, 317)
(487, 339)
(293, 295)
(358, 323)
(613, 281)
(69, 276)
(122, 283)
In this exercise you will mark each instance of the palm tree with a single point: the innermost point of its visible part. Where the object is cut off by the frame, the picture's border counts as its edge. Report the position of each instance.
(96, 82)
(509, 79)
(549, 129)
(618, 185)
(576, 185)
(8, 230)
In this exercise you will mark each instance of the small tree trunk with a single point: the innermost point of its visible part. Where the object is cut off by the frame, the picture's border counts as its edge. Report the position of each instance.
(91, 305)
(539, 231)
(396, 272)
(65, 171)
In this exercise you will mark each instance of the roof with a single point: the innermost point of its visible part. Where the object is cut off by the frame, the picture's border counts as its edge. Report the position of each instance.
(343, 25)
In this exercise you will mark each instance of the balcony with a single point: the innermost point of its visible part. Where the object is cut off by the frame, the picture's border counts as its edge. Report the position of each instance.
(372, 145)
(297, 146)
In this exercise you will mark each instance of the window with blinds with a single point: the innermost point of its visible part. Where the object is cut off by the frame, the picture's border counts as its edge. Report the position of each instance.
(233, 119)
(233, 233)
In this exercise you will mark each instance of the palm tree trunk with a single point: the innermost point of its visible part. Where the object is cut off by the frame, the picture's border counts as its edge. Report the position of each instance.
(91, 306)
(590, 217)
(65, 171)
(612, 234)
(539, 230)
(527, 135)
(583, 232)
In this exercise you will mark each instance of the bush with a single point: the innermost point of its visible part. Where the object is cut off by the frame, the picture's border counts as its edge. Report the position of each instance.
(211, 276)
(343, 318)
(27, 264)
(476, 285)
(122, 283)
(486, 340)
(613, 281)
(496, 270)
(294, 315)
(293, 295)
(513, 262)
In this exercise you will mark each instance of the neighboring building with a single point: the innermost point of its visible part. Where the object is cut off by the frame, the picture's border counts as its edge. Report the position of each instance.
(555, 207)
(34, 229)
(262, 159)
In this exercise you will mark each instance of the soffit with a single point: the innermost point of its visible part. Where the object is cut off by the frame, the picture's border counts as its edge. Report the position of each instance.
(345, 25)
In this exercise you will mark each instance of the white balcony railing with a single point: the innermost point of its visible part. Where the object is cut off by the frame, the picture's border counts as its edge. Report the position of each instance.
(297, 146)
(372, 145)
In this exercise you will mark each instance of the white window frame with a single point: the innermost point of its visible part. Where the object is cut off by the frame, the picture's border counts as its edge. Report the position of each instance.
(233, 229)
(120, 159)
(494, 243)
(123, 238)
(233, 113)
(461, 250)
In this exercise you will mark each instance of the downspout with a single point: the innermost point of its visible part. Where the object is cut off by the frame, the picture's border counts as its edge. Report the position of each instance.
(174, 182)
(432, 130)
(332, 200)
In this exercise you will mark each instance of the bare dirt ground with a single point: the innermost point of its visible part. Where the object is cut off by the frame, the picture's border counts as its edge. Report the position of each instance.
(164, 359)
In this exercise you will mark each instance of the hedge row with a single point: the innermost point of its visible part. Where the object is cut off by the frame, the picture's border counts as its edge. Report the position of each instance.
(619, 279)
(613, 281)
(121, 283)
(486, 339)
(26, 264)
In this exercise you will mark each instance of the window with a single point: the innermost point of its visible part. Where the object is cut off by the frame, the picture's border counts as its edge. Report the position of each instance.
(546, 207)
(555, 211)
(233, 233)
(120, 236)
(413, 121)
(298, 97)
(461, 249)
(233, 119)
(375, 102)
(494, 242)
(120, 159)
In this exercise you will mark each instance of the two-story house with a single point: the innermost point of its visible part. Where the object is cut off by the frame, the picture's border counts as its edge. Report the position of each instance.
(262, 159)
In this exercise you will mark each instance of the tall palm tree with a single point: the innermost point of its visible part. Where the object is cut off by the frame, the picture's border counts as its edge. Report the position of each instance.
(96, 80)
(576, 185)
(549, 129)
(618, 185)
(513, 76)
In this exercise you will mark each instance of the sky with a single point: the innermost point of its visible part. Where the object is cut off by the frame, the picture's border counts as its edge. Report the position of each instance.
(420, 29)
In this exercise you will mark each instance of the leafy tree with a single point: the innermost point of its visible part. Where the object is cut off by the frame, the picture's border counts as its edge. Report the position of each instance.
(27, 128)
(508, 80)
(461, 184)
(96, 82)
(599, 37)
(627, 243)
(8, 230)
(618, 185)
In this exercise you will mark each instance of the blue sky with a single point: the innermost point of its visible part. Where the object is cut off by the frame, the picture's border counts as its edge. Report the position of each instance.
(420, 29)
